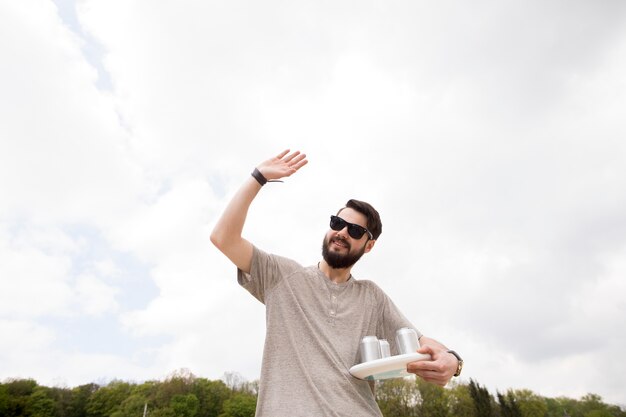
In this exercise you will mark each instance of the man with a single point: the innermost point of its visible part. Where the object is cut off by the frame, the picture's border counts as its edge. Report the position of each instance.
(317, 315)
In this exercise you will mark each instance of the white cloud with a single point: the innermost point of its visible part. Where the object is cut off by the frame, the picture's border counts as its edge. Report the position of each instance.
(94, 296)
(32, 283)
(26, 338)
(63, 153)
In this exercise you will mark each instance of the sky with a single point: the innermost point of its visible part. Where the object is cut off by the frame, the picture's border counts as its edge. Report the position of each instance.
(490, 136)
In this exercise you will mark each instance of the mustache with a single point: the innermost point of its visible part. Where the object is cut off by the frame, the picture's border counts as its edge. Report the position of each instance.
(340, 239)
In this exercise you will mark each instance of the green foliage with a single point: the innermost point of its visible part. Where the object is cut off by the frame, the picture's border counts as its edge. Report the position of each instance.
(508, 405)
(482, 400)
(182, 394)
(185, 405)
(460, 400)
(530, 404)
(434, 400)
(5, 399)
(17, 392)
(39, 404)
(79, 398)
(398, 397)
(108, 400)
(211, 396)
(240, 405)
(132, 406)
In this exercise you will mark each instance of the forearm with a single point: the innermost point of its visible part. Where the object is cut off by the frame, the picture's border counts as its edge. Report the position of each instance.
(227, 233)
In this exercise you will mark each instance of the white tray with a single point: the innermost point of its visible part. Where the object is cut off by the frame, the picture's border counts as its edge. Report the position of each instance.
(385, 368)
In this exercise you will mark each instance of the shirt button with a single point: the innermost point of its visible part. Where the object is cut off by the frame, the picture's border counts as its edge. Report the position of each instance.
(332, 312)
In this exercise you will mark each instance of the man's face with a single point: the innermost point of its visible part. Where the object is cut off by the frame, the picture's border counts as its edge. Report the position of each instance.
(339, 249)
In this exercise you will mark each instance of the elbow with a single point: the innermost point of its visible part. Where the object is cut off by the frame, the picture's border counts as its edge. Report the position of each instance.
(216, 239)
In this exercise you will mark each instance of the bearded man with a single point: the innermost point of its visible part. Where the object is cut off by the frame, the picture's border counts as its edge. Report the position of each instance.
(317, 315)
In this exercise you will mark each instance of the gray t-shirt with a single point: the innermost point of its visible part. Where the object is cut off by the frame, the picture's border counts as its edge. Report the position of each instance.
(314, 328)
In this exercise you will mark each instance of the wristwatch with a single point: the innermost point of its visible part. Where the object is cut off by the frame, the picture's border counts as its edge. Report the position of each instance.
(460, 365)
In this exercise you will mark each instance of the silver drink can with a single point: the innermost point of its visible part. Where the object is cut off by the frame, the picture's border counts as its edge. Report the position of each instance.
(370, 349)
(406, 338)
(385, 352)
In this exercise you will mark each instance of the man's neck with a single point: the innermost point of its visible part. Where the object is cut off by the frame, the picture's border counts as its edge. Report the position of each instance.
(336, 275)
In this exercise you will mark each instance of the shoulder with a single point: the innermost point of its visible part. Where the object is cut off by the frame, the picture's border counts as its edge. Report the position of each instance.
(367, 284)
(371, 288)
(273, 261)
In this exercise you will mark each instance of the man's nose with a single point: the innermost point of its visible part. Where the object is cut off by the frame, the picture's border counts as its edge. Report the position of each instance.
(343, 232)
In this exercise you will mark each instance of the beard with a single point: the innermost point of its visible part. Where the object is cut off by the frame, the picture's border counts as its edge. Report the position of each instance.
(337, 260)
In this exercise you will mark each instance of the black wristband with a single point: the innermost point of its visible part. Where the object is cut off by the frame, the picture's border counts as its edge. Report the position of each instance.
(259, 177)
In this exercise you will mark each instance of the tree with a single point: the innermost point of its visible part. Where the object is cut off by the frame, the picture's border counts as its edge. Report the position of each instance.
(460, 401)
(39, 404)
(233, 380)
(482, 399)
(107, 400)
(211, 396)
(180, 382)
(18, 391)
(434, 400)
(80, 395)
(398, 397)
(185, 405)
(62, 398)
(5, 399)
(239, 405)
(508, 405)
(132, 406)
(591, 405)
(530, 404)
(162, 412)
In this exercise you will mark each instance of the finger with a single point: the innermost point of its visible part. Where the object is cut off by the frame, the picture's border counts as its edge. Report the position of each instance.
(300, 164)
(297, 160)
(433, 377)
(425, 366)
(282, 154)
(421, 366)
(436, 381)
(291, 156)
(425, 349)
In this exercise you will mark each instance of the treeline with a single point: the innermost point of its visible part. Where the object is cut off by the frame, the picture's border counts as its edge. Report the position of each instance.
(184, 395)
(416, 398)
(179, 395)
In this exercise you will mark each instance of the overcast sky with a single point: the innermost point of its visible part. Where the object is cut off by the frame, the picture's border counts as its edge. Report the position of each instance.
(490, 136)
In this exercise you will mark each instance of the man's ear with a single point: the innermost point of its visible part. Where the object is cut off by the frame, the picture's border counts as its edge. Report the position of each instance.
(369, 245)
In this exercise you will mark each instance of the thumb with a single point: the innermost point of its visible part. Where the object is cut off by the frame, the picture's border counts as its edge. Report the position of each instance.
(426, 349)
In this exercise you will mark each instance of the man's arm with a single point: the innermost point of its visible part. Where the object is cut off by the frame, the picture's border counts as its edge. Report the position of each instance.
(442, 366)
(226, 234)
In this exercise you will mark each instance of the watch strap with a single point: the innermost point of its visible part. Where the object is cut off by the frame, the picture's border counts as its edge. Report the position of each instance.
(460, 365)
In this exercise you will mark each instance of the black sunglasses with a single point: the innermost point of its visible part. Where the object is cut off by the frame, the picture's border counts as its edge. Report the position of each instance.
(354, 230)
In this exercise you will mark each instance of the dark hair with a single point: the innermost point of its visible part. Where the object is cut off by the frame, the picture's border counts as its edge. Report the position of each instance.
(374, 225)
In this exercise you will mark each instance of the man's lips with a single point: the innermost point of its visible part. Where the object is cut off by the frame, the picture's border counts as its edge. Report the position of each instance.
(340, 243)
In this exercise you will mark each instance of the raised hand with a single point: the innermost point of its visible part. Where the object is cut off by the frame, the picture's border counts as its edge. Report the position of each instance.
(282, 165)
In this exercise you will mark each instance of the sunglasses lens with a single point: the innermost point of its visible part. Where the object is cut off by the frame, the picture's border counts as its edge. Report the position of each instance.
(337, 223)
(356, 231)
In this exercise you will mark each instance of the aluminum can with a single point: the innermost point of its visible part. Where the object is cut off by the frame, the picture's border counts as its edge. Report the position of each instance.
(385, 352)
(370, 349)
(406, 338)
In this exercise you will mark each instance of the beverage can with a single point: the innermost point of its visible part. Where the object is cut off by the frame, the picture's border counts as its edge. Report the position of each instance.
(385, 352)
(407, 341)
(369, 348)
